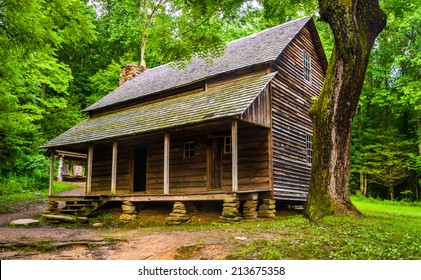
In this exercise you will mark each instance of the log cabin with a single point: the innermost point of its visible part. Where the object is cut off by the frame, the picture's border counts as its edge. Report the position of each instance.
(237, 129)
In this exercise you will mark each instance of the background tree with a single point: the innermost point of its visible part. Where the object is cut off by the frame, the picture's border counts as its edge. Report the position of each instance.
(389, 104)
(33, 82)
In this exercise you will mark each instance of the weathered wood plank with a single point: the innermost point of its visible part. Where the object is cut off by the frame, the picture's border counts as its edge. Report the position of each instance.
(166, 163)
(114, 168)
(234, 153)
(50, 188)
(89, 171)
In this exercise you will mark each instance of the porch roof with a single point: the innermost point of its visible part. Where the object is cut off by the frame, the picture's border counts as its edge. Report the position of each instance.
(179, 111)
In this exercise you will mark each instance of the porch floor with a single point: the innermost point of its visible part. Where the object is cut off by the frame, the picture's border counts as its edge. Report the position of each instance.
(213, 196)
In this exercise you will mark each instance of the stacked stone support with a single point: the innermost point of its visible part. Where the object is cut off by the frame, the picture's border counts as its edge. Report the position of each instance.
(267, 209)
(129, 211)
(230, 211)
(51, 207)
(178, 215)
(250, 210)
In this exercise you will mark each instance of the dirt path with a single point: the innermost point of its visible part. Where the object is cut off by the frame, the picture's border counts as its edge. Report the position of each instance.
(118, 244)
(29, 209)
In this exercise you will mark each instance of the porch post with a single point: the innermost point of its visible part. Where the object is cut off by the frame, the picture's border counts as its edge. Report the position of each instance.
(60, 166)
(50, 190)
(114, 168)
(89, 173)
(166, 163)
(234, 154)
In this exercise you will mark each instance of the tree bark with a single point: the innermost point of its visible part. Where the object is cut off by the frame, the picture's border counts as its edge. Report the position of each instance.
(355, 25)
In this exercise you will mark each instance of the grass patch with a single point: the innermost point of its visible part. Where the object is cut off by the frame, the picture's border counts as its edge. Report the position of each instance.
(374, 207)
(92, 246)
(109, 221)
(45, 246)
(113, 240)
(387, 232)
(186, 252)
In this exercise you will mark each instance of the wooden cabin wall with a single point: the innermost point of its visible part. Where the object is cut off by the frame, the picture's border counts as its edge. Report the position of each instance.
(253, 159)
(291, 101)
(259, 111)
(188, 175)
(101, 169)
(155, 167)
(124, 156)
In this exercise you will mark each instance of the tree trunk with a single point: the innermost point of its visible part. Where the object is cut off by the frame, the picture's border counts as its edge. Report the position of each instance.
(142, 51)
(392, 193)
(363, 183)
(355, 25)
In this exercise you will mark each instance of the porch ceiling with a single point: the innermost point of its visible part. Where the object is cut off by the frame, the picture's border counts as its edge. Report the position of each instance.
(184, 110)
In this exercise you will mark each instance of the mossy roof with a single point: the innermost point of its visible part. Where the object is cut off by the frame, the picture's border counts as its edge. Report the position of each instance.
(259, 48)
(178, 111)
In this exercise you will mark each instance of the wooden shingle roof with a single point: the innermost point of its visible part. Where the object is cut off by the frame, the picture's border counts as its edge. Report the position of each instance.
(178, 111)
(256, 49)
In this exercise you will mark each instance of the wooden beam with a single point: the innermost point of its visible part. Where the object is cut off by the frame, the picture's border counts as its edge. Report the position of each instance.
(114, 168)
(166, 163)
(50, 189)
(172, 197)
(234, 154)
(89, 173)
(60, 166)
(270, 140)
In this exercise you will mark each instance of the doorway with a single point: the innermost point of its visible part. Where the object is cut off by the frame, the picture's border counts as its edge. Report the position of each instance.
(139, 170)
(215, 163)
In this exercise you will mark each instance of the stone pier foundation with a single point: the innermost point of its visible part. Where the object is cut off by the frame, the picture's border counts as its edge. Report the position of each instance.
(267, 209)
(250, 210)
(178, 215)
(230, 211)
(129, 211)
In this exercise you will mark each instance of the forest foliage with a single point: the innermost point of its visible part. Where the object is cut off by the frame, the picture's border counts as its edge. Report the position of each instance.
(58, 57)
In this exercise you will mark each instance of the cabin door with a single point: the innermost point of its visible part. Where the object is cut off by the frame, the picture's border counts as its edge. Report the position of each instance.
(215, 163)
(139, 170)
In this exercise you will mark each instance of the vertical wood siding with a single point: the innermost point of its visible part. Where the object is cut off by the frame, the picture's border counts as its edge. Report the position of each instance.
(259, 110)
(291, 101)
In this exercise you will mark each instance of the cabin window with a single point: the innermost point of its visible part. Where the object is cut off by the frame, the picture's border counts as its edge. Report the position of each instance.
(307, 66)
(189, 149)
(227, 145)
(309, 141)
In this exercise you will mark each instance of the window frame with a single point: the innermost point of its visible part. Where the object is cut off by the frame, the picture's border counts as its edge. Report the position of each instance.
(227, 149)
(309, 149)
(189, 149)
(307, 66)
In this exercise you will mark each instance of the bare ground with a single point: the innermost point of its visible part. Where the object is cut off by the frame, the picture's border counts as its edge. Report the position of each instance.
(143, 243)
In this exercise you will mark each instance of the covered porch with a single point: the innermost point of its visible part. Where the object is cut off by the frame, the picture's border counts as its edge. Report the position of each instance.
(214, 161)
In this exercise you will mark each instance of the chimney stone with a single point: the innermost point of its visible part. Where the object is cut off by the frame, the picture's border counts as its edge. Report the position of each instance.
(130, 71)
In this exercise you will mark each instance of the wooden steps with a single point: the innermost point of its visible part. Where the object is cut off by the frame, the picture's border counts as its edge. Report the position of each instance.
(83, 206)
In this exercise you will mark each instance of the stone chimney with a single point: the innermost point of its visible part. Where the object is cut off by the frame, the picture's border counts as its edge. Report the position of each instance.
(130, 71)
